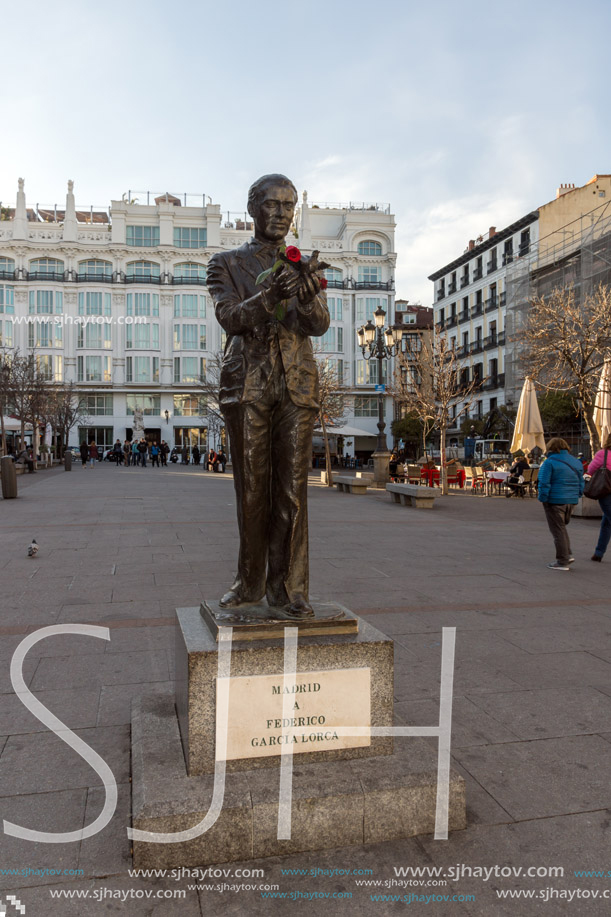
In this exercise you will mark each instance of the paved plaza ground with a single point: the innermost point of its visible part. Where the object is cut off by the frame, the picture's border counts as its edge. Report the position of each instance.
(122, 548)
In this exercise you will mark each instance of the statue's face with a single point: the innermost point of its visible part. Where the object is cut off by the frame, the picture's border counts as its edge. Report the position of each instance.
(274, 213)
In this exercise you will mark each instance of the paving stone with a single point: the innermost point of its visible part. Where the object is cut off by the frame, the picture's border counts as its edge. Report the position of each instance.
(116, 700)
(549, 712)
(50, 812)
(42, 762)
(109, 851)
(101, 669)
(539, 779)
(76, 709)
(470, 725)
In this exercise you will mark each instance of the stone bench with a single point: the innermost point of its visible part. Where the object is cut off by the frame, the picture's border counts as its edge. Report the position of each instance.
(413, 495)
(351, 485)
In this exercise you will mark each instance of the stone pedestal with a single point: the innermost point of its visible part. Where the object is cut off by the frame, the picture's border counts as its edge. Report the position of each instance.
(360, 663)
(363, 792)
(381, 463)
(587, 508)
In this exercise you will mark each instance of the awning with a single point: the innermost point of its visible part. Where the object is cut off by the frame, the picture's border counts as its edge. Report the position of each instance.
(11, 425)
(345, 431)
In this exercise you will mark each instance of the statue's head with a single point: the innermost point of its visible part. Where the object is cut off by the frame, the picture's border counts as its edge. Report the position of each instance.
(271, 203)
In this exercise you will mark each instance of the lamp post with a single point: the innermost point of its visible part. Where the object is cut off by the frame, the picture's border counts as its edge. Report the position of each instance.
(167, 416)
(378, 344)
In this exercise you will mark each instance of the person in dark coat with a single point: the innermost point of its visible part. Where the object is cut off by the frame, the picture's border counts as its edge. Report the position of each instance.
(163, 453)
(560, 486)
(142, 449)
(117, 452)
(185, 455)
(93, 453)
(84, 450)
(196, 455)
(222, 461)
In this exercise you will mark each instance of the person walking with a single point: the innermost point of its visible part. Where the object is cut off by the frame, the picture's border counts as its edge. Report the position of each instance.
(135, 453)
(602, 459)
(185, 455)
(84, 449)
(117, 452)
(93, 453)
(154, 454)
(127, 452)
(560, 486)
(196, 455)
(163, 453)
(142, 452)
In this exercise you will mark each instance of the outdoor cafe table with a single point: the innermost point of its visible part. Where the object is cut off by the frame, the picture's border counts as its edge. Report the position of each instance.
(430, 476)
(495, 477)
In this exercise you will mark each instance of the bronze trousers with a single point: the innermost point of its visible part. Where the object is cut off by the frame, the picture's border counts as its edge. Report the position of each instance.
(271, 448)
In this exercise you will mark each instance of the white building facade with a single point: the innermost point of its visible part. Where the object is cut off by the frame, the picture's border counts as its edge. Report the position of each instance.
(470, 306)
(116, 301)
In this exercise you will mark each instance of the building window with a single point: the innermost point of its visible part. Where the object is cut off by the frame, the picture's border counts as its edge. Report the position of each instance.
(7, 267)
(103, 437)
(334, 277)
(185, 237)
(143, 236)
(189, 406)
(50, 367)
(7, 299)
(94, 369)
(366, 306)
(150, 405)
(142, 269)
(189, 305)
(365, 406)
(369, 274)
(143, 303)
(186, 337)
(6, 337)
(367, 372)
(142, 337)
(45, 334)
(142, 369)
(524, 242)
(189, 369)
(369, 247)
(99, 405)
(335, 304)
(327, 341)
(94, 268)
(47, 267)
(94, 303)
(189, 270)
(46, 302)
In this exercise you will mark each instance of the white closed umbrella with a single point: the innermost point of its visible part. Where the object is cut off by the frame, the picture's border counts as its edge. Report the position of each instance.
(602, 403)
(528, 431)
(48, 435)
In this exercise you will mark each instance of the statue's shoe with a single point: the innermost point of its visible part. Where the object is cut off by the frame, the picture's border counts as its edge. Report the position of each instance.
(231, 599)
(299, 608)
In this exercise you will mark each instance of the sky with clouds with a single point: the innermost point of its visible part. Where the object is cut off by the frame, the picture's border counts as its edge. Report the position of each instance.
(461, 116)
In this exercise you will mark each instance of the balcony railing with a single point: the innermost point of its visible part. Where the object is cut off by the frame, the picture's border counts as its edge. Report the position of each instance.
(440, 294)
(492, 304)
(193, 281)
(464, 281)
(373, 285)
(338, 284)
(452, 287)
(8, 275)
(492, 265)
(451, 322)
(524, 248)
(462, 352)
(55, 276)
(477, 346)
(494, 382)
(477, 273)
(477, 309)
(464, 316)
(491, 341)
(95, 278)
(142, 279)
(507, 258)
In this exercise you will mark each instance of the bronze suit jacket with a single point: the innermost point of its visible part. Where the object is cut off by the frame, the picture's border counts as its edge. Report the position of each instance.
(255, 338)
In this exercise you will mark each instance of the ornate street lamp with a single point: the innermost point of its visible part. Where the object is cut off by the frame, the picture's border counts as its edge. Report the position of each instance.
(167, 416)
(381, 345)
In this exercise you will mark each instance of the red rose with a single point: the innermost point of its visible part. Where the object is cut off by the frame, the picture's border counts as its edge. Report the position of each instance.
(323, 283)
(292, 254)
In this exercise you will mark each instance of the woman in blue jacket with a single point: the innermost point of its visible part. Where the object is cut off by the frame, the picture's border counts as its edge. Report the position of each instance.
(560, 486)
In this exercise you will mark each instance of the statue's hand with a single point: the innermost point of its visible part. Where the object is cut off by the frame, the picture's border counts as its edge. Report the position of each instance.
(309, 287)
(284, 285)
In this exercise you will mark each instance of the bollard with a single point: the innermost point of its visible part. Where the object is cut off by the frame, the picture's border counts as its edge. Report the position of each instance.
(9, 478)
(68, 461)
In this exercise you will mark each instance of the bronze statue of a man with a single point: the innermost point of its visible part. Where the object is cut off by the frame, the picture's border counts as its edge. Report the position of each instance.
(269, 398)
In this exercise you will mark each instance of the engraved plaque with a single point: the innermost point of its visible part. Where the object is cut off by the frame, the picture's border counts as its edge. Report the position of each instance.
(259, 725)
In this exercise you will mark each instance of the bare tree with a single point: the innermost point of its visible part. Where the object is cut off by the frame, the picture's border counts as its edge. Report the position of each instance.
(6, 376)
(29, 389)
(208, 391)
(432, 384)
(562, 343)
(332, 404)
(63, 409)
